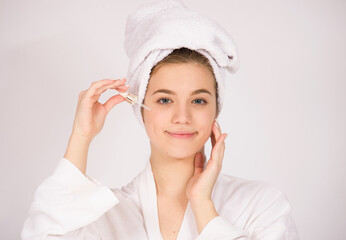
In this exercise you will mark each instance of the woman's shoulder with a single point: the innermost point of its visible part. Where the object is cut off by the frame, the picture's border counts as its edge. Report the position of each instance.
(240, 190)
(235, 183)
(251, 204)
(130, 191)
(126, 193)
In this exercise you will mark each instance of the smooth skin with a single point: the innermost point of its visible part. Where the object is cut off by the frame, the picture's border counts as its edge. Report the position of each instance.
(183, 99)
(90, 117)
(89, 120)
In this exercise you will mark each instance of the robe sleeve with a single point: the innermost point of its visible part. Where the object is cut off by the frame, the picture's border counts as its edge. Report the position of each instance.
(269, 220)
(66, 202)
(219, 229)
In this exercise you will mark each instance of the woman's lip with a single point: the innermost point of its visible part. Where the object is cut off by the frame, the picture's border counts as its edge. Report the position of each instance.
(181, 134)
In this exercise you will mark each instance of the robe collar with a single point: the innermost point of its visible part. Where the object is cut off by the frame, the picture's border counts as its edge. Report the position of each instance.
(148, 202)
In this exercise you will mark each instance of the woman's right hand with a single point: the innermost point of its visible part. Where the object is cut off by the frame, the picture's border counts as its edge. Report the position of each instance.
(91, 114)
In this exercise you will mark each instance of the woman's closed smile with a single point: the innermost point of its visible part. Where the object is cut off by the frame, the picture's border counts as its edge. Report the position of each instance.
(182, 134)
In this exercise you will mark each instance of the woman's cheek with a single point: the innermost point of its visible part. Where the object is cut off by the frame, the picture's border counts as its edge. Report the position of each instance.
(207, 133)
(209, 121)
(157, 119)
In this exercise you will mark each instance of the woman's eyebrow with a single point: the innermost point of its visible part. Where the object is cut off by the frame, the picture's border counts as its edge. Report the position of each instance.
(202, 90)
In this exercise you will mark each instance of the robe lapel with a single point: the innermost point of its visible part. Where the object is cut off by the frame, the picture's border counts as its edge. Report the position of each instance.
(148, 201)
(188, 228)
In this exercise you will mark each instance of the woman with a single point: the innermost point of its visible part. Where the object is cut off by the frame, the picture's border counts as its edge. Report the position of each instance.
(176, 196)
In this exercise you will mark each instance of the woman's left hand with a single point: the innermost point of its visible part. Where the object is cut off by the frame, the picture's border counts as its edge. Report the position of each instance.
(201, 185)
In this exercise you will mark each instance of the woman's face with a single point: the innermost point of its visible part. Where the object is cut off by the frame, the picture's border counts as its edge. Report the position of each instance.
(183, 102)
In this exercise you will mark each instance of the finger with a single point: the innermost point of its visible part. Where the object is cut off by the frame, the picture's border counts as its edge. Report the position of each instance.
(219, 146)
(81, 95)
(217, 129)
(199, 163)
(114, 85)
(216, 132)
(95, 86)
(212, 137)
(218, 150)
(110, 103)
(122, 88)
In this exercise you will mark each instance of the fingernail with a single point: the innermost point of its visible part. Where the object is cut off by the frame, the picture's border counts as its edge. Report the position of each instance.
(127, 86)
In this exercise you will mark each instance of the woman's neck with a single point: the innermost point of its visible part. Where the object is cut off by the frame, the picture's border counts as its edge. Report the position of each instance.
(171, 175)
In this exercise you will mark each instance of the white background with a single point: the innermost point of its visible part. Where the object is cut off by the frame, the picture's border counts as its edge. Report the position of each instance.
(285, 108)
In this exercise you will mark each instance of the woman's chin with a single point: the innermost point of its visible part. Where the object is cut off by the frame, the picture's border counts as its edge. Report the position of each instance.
(182, 154)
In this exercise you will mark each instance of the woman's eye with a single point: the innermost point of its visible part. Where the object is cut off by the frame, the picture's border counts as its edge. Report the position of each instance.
(164, 100)
(167, 100)
(199, 101)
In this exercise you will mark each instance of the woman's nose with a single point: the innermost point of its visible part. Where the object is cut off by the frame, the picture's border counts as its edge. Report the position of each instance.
(181, 114)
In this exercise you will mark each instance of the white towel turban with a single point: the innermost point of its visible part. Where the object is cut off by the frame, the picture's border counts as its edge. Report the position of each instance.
(156, 29)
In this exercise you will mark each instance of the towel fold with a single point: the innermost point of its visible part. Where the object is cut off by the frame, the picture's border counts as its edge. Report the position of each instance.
(156, 29)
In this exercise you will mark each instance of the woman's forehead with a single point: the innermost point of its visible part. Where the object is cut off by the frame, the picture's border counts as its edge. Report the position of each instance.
(182, 77)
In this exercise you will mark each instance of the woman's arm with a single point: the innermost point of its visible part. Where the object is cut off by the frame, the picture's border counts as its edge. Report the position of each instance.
(204, 212)
(273, 218)
(201, 185)
(77, 151)
(265, 215)
(65, 202)
(69, 200)
(89, 119)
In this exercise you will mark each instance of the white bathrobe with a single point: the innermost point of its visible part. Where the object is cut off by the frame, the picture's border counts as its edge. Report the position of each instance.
(69, 205)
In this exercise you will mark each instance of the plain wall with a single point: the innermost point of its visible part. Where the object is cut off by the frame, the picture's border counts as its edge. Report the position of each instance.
(284, 110)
